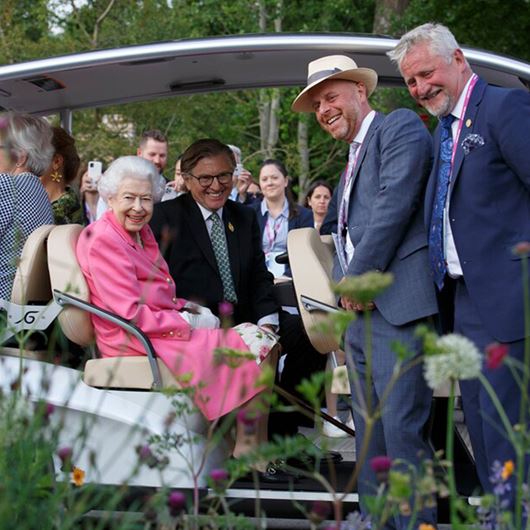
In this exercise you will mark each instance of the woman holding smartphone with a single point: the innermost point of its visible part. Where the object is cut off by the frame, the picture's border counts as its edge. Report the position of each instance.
(89, 177)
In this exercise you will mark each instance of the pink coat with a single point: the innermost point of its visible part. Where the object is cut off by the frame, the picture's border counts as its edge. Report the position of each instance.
(134, 283)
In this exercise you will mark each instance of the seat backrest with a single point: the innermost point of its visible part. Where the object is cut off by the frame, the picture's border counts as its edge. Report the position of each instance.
(66, 276)
(32, 279)
(311, 261)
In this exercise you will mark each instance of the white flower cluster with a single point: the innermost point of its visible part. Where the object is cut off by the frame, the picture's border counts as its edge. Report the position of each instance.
(458, 359)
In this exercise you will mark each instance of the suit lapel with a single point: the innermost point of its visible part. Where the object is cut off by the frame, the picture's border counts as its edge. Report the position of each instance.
(199, 232)
(376, 122)
(468, 118)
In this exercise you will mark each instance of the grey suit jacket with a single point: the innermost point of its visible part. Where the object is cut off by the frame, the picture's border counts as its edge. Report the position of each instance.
(385, 218)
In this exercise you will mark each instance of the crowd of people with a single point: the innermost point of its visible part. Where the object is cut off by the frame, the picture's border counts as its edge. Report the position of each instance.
(440, 213)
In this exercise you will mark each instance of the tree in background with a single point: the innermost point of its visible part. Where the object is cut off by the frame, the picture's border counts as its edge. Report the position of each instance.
(259, 121)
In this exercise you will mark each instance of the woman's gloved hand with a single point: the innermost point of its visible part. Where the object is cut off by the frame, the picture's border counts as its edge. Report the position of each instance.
(198, 316)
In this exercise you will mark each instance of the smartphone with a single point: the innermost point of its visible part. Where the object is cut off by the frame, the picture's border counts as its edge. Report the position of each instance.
(238, 169)
(95, 168)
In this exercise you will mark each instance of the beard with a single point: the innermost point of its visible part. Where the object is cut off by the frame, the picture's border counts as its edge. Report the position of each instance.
(442, 107)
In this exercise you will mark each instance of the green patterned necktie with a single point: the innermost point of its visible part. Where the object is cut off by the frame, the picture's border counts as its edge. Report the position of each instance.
(221, 256)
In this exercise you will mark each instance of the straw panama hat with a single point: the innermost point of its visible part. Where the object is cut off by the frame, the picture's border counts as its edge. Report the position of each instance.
(333, 67)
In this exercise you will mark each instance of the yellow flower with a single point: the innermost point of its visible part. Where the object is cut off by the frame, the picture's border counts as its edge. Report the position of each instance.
(78, 476)
(507, 470)
(425, 526)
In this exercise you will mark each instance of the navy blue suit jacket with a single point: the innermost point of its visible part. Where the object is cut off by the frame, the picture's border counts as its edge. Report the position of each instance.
(490, 204)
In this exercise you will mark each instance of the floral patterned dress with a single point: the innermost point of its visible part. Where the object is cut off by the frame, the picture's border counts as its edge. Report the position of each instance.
(67, 208)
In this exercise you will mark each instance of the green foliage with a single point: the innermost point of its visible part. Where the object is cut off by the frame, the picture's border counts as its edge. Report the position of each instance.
(336, 324)
(26, 478)
(35, 29)
(365, 287)
(476, 23)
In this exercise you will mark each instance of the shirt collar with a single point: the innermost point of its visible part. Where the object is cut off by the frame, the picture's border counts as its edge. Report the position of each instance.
(459, 107)
(206, 213)
(285, 209)
(365, 125)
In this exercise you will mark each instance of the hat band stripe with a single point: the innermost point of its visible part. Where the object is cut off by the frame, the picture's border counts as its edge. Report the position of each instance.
(320, 75)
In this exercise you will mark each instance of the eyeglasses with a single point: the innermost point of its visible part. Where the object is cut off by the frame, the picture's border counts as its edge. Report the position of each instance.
(206, 180)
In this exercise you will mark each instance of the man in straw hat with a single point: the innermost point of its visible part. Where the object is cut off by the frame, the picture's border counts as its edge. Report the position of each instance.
(380, 227)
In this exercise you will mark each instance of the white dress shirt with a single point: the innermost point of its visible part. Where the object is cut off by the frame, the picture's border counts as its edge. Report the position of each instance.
(359, 138)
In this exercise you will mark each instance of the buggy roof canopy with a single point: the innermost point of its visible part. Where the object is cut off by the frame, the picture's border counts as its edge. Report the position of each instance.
(191, 66)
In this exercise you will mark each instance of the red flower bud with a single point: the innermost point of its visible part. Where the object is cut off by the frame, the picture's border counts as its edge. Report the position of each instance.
(380, 464)
(495, 354)
(522, 248)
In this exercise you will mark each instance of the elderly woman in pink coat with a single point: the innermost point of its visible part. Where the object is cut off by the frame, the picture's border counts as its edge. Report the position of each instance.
(127, 275)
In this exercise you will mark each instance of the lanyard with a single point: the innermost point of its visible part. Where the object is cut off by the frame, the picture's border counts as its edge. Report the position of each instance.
(472, 83)
(272, 233)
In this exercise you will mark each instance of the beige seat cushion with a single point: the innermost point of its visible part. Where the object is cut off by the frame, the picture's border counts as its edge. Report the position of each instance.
(125, 372)
(311, 261)
(32, 279)
(66, 276)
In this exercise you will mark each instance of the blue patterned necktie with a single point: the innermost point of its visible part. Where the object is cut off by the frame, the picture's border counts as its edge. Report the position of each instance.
(220, 250)
(436, 235)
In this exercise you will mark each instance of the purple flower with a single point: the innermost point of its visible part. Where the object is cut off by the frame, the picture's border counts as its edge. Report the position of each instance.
(144, 452)
(50, 408)
(226, 309)
(176, 502)
(65, 454)
(219, 479)
(4, 122)
(219, 475)
(319, 511)
(380, 464)
(500, 486)
(45, 409)
(247, 418)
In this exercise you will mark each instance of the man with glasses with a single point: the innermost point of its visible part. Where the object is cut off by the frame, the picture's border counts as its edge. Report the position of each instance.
(213, 248)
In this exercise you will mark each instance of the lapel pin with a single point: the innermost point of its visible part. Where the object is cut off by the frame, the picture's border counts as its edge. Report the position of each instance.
(468, 123)
(230, 227)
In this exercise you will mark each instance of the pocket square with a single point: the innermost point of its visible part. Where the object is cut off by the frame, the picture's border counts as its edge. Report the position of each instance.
(472, 141)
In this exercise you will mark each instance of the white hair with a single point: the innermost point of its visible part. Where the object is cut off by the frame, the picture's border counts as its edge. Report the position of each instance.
(130, 167)
(31, 137)
(439, 38)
